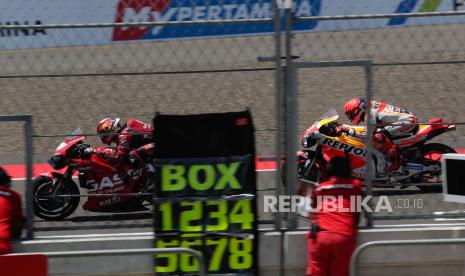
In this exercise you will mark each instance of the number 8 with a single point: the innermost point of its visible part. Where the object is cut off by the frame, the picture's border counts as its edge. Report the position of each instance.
(241, 257)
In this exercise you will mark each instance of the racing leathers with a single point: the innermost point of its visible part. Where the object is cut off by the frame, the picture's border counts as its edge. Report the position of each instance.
(390, 122)
(134, 143)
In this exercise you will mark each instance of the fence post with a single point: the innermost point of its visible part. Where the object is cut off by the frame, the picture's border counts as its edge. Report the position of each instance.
(29, 195)
(279, 127)
(291, 114)
(369, 137)
(278, 102)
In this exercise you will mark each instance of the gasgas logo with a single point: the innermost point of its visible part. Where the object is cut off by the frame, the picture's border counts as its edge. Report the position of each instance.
(168, 10)
(344, 147)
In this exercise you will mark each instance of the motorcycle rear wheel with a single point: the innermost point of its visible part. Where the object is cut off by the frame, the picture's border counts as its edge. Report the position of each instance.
(431, 154)
(54, 208)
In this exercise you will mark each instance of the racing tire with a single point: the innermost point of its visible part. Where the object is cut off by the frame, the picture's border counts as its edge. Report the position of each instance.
(54, 208)
(431, 153)
(316, 174)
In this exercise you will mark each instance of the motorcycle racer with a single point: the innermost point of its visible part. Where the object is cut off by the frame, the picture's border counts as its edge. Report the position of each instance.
(391, 122)
(133, 141)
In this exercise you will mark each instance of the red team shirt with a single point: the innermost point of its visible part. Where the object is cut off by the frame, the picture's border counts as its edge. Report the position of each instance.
(10, 214)
(342, 222)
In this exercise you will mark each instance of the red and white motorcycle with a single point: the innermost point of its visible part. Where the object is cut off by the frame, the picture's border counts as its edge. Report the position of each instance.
(51, 190)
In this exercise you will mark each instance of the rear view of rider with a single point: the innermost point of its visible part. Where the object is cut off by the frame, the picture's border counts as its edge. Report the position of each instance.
(391, 122)
(133, 141)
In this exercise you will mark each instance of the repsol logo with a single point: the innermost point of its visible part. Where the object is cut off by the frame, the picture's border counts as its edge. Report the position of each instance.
(344, 147)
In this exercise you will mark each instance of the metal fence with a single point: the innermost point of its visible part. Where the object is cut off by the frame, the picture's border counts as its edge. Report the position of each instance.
(125, 252)
(415, 67)
(396, 243)
(76, 86)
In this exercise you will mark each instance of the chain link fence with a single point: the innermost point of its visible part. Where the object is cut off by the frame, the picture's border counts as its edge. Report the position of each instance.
(67, 76)
(72, 75)
(417, 67)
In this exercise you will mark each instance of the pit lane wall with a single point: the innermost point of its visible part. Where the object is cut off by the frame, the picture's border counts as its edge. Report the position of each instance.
(46, 12)
(388, 260)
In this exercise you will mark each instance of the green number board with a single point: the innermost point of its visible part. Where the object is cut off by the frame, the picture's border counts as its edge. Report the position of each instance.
(209, 205)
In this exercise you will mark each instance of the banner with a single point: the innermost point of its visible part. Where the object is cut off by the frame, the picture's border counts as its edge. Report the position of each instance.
(206, 193)
(42, 12)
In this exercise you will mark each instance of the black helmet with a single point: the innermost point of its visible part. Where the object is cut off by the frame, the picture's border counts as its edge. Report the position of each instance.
(5, 179)
(339, 166)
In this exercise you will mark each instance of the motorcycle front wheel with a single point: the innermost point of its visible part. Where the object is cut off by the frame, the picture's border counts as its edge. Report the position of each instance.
(57, 208)
(316, 173)
(431, 154)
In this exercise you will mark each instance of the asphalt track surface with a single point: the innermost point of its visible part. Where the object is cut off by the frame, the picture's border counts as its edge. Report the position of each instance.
(61, 103)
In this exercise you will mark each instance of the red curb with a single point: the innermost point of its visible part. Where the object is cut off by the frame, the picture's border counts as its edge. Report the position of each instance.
(18, 171)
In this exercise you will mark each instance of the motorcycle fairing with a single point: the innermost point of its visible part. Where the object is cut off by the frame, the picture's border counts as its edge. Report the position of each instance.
(344, 145)
(425, 132)
(66, 144)
(51, 175)
(105, 182)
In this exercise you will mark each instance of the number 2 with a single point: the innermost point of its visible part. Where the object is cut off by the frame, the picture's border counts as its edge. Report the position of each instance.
(195, 213)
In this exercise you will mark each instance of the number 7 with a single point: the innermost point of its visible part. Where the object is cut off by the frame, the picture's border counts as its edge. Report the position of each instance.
(217, 256)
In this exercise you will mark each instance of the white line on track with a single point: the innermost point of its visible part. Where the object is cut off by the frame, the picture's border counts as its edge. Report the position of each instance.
(96, 235)
(41, 241)
(422, 225)
(24, 179)
(90, 238)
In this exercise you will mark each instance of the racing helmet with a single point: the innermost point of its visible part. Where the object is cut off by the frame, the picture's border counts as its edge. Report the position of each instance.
(5, 179)
(107, 129)
(355, 110)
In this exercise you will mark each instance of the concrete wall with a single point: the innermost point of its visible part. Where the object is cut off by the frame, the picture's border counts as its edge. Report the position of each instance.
(402, 260)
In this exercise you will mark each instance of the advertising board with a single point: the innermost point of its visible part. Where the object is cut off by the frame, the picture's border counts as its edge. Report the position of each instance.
(206, 196)
(44, 12)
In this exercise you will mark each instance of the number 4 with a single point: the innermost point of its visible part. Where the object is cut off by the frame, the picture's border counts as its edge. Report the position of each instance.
(242, 213)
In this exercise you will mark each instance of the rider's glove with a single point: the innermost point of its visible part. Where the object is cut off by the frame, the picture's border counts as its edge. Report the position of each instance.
(343, 129)
(87, 152)
(134, 159)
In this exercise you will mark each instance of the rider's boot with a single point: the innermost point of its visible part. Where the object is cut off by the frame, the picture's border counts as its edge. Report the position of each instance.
(388, 150)
(380, 166)
(394, 158)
